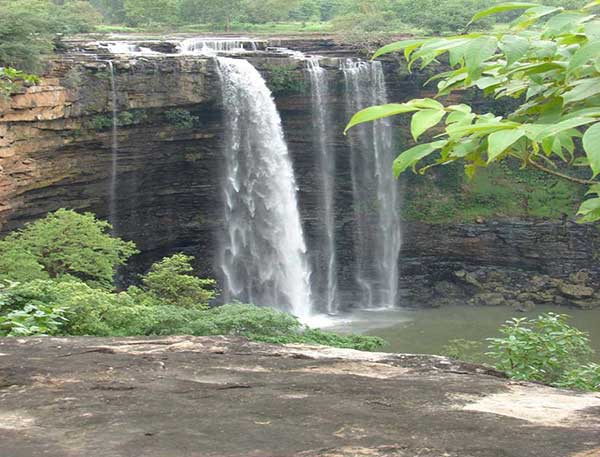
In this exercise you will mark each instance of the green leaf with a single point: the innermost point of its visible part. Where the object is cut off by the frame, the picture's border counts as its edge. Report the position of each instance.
(424, 120)
(589, 210)
(538, 132)
(582, 90)
(397, 46)
(411, 156)
(500, 141)
(477, 52)
(588, 51)
(514, 47)
(591, 145)
(378, 112)
(502, 8)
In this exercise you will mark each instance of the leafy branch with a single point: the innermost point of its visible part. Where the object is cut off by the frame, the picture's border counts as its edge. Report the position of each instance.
(549, 60)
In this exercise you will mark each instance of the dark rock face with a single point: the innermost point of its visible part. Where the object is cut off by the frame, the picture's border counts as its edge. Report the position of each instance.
(553, 262)
(55, 151)
(197, 397)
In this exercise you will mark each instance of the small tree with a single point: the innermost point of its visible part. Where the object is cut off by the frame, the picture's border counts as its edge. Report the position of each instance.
(548, 61)
(64, 243)
(546, 349)
(169, 281)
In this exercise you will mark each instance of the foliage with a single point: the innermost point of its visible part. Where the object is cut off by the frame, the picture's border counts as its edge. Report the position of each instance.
(439, 16)
(545, 349)
(445, 195)
(548, 60)
(272, 326)
(170, 282)
(64, 243)
(245, 320)
(285, 80)
(181, 119)
(12, 80)
(33, 318)
(316, 336)
(28, 29)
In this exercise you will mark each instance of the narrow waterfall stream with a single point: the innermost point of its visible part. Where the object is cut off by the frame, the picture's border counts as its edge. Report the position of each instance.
(377, 239)
(326, 284)
(263, 252)
(112, 195)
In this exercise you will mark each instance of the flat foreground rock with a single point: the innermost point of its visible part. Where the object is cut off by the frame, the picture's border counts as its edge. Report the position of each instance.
(192, 397)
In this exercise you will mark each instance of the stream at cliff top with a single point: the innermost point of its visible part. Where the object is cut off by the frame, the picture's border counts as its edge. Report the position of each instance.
(427, 331)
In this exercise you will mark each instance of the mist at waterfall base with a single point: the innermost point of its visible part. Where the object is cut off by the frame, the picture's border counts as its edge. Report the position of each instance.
(263, 254)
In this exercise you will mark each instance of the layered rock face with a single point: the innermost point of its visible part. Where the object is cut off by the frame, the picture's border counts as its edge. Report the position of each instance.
(55, 151)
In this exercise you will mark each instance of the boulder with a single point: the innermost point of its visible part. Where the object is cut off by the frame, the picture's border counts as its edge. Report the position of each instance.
(576, 291)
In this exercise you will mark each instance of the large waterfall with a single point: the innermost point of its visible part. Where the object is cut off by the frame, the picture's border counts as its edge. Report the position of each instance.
(326, 284)
(377, 237)
(263, 254)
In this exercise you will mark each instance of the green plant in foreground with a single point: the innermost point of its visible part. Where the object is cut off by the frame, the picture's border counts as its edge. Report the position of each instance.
(548, 61)
(545, 349)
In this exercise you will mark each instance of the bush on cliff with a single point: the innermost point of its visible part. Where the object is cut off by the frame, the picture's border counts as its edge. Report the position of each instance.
(64, 244)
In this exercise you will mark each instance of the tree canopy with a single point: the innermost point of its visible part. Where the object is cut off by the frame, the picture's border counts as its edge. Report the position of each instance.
(548, 61)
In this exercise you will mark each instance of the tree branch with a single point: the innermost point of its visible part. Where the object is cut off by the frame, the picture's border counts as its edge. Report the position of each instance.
(585, 182)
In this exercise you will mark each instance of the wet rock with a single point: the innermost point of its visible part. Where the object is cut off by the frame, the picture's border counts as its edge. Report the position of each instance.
(523, 306)
(489, 299)
(576, 291)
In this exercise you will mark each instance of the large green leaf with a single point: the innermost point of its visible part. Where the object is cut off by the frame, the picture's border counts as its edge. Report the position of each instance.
(424, 120)
(514, 47)
(502, 8)
(397, 46)
(477, 52)
(591, 145)
(584, 89)
(500, 141)
(411, 156)
(589, 210)
(378, 112)
(588, 51)
(543, 131)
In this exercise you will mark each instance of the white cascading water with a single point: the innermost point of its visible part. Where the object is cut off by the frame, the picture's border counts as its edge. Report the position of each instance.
(377, 234)
(327, 283)
(263, 254)
(213, 46)
(112, 195)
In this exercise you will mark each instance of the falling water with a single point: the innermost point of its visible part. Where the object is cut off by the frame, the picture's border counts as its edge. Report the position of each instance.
(322, 127)
(377, 232)
(112, 206)
(213, 46)
(263, 255)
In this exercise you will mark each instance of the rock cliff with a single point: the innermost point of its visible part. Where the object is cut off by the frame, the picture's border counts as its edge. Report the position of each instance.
(55, 151)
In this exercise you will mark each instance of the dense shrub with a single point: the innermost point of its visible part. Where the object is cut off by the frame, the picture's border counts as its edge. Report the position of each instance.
(545, 349)
(181, 119)
(169, 282)
(64, 243)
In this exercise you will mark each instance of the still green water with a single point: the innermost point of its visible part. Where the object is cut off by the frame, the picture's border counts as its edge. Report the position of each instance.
(427, 331)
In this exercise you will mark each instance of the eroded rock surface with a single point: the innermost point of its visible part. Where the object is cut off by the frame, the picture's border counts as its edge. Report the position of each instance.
(191, 396)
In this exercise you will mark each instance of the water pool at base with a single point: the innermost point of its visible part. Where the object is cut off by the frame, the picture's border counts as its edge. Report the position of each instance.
(427, 331)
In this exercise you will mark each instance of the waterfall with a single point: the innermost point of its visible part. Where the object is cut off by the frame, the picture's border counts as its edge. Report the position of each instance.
(213, 46)
(263, 252)
(322, 126)
(112, 195)
(377, 237)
